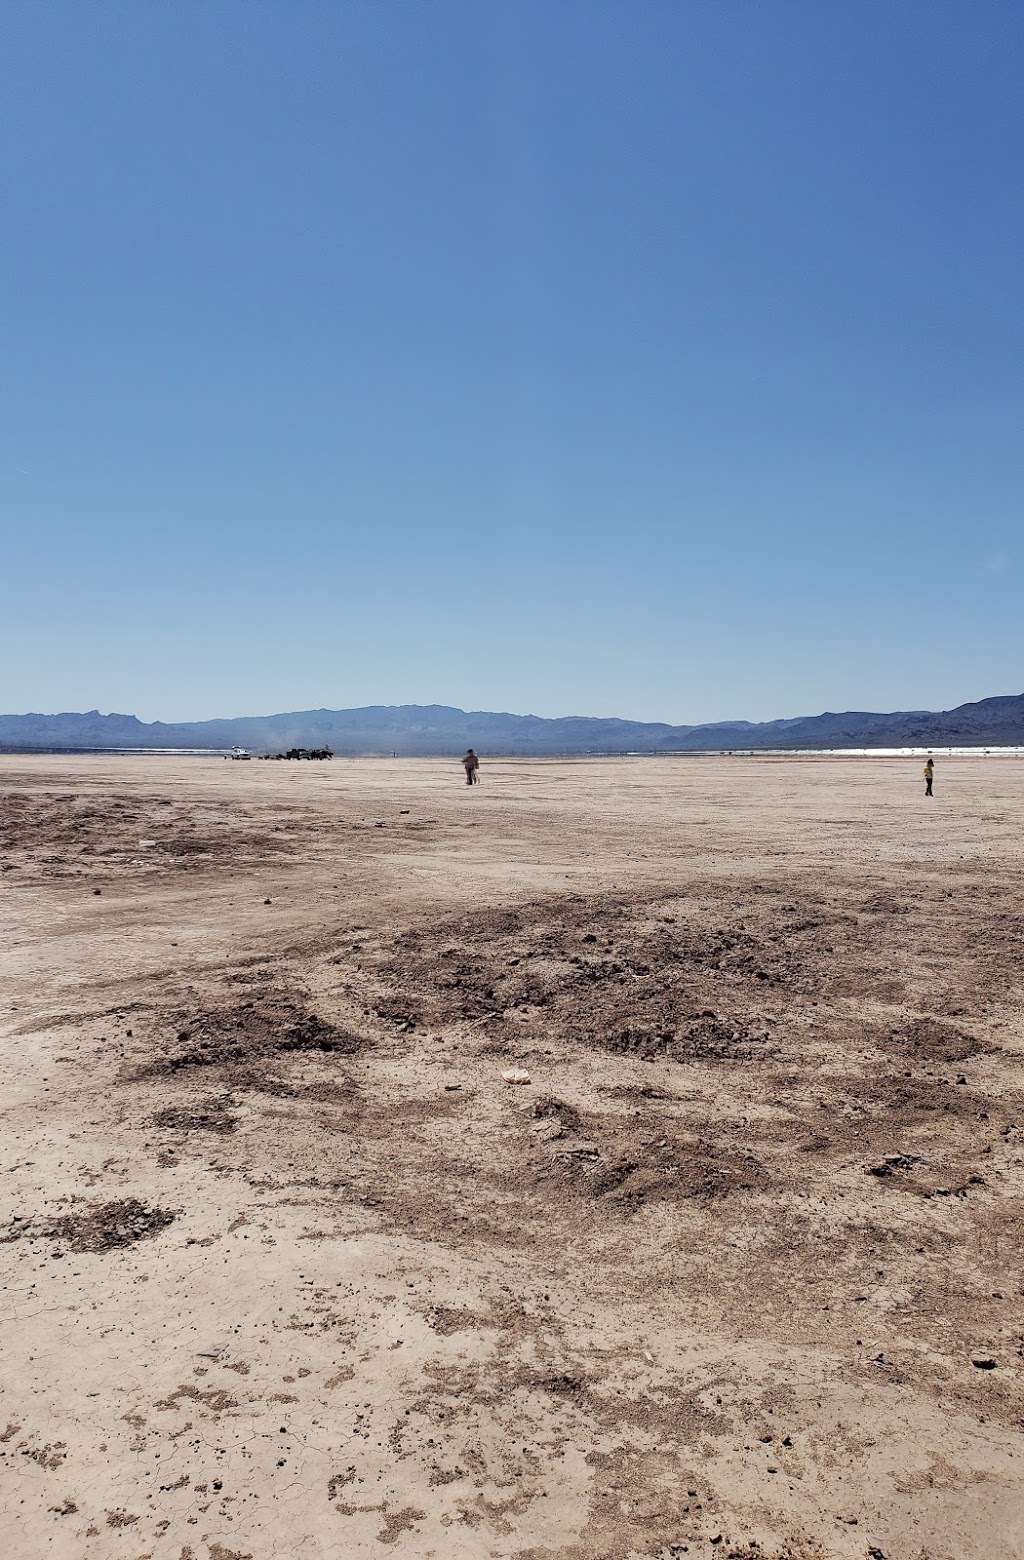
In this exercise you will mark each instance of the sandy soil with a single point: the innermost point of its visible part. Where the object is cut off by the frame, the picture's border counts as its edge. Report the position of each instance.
(289, 1269)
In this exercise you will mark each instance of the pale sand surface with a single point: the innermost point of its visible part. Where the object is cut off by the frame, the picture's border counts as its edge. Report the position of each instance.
(289, 1270)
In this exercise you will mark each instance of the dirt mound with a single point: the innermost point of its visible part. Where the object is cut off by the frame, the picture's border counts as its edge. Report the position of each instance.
(249, 1032)
(205, 1116)
(876, 1105)
(798, 1550)
(618, 973)
(705, 1038)
(634, 1091)
(101, 1227)
(679, 1171)
(549, 1109)
(930, 1040)
(629, 1171)
(623, 1162)
(885, 904)
(396, 1010)
(562, 1385)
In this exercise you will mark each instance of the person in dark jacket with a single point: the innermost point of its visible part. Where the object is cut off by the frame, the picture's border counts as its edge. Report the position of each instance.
(471, 764)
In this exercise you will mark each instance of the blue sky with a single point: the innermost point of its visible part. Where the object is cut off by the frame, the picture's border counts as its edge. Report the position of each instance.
(639, 358)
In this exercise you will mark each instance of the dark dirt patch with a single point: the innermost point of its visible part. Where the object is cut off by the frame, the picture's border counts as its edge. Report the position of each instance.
(446, 1319)
(101, 1227)
(913, 1100)
(548, 1108)
(930, 1040)
(214, 1398)
(873, 1112)
(63, 836)
(114, 1224)
(616, 973)
(629, 1171)
(396, 1010)
(398, 1522)
(562, 1386)
(706, 1038)
(232, 1037)
(797, 1550)
(885, 903)
(892, 1163)
(634, 1091)
(254, 1078)
(219, 846)
(205, 1116)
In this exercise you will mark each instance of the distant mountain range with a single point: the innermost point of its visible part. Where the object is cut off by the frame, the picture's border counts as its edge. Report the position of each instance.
(439, 729)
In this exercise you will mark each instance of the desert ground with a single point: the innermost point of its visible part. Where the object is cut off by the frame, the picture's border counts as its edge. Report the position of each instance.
(290, 1268)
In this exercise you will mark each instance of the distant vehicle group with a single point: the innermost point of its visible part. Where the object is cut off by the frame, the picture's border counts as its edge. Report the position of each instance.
(323, 752)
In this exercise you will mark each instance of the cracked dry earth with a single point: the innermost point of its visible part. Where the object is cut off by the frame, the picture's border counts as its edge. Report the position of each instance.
(290, 1269)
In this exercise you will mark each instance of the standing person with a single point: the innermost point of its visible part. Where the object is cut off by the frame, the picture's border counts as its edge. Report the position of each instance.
(471, 764)
(929, 772)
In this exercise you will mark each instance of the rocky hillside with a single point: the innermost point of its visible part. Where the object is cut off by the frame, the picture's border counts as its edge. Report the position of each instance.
(439, 728)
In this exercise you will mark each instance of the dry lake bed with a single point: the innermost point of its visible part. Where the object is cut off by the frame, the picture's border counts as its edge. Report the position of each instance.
(291, 1269)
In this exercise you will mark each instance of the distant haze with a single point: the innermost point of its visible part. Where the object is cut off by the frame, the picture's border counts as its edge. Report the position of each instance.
(442, 729)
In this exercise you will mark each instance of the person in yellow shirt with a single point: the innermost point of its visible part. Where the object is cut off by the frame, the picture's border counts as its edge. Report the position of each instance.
(929, 772)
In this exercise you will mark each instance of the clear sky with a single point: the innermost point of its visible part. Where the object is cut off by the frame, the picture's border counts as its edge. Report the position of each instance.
(656, 358)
